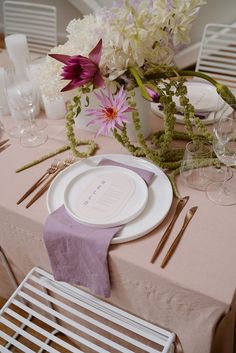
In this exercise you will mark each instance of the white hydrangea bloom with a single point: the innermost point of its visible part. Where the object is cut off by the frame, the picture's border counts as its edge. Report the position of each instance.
(134, 33)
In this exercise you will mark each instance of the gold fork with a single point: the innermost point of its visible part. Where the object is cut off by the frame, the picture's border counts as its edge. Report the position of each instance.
(51, 170)
(45, 187)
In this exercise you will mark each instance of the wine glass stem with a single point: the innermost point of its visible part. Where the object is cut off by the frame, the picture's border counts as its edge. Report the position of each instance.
(224, 185)
(31, 119)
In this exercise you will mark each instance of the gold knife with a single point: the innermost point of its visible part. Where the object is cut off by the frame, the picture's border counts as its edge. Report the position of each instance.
(180, 205)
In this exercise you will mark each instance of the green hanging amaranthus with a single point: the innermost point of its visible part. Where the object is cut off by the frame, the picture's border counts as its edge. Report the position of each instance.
(166, 82)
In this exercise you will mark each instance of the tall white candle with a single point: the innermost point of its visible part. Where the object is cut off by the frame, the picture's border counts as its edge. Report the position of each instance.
(18, 52)
(4, 109)
(17, 47)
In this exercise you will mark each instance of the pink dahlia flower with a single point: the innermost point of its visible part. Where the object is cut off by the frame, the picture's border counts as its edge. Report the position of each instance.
(111, 113)
(81, 70)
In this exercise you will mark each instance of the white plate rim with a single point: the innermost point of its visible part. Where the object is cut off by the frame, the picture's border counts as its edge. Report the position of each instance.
(137, 162)
(211, 119)
(141, 185)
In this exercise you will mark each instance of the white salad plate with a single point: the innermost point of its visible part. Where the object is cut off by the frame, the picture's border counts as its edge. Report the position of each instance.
(160, 194)
(106, 196)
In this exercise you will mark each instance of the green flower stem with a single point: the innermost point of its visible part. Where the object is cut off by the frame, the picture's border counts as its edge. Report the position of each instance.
(171, 177)
(140, 84)
(50, 155)
(124, 140)
(74, 108)
(43, 158)
(197, 74)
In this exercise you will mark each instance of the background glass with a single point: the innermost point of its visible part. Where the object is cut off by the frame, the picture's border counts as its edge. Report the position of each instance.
(224, 145)
(192, 168)
(23, 99)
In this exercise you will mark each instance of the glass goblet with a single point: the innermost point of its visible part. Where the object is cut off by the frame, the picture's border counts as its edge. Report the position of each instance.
(224, 145)
(27, 95)
(193, 169)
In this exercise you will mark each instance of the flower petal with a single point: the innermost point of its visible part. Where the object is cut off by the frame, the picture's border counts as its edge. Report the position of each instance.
(60, 57)
(74, 84)
(95, 54)
(98, 80)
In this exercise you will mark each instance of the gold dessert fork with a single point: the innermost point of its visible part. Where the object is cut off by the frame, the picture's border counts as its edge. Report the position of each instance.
(51, 170)
(45, 187)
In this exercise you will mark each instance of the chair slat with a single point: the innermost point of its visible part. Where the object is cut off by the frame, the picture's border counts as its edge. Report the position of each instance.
(38, 22)
(91, 322)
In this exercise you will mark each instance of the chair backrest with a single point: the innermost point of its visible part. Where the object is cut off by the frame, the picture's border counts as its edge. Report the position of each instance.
(38, 22)
(92, 324)
(217, 55)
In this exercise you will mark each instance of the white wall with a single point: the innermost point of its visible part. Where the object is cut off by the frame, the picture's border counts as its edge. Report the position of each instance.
(215, 11)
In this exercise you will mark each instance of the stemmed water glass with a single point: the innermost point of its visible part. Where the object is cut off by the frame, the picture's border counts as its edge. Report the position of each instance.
(23, 98)
(224, 146)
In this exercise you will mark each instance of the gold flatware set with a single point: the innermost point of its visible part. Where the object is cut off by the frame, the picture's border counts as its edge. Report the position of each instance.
(50, 174)
(190, 213)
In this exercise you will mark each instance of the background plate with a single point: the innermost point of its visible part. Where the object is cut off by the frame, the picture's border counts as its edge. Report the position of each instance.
(203, 96)
(159, 197)
(210, 119)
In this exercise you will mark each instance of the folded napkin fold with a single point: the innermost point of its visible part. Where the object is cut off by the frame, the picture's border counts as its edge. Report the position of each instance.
(77, 252)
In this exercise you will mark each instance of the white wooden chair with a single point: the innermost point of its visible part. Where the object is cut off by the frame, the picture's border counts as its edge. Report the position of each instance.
(38, 22)
(91, 324)
(217, 54)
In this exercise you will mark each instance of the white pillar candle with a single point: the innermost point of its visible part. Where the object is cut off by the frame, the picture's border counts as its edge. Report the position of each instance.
(55, 108)
(17, 47)
(18, 52)
(4, 109)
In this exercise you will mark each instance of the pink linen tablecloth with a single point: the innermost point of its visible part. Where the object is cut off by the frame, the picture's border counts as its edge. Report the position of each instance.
(192, 296)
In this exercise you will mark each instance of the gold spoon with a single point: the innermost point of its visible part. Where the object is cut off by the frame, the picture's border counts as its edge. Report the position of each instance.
(175, 243)
(180, 205)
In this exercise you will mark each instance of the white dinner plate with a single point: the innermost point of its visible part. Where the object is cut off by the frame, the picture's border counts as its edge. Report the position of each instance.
(211, 118)
(160, 194)
(106, 196)
(203, 96)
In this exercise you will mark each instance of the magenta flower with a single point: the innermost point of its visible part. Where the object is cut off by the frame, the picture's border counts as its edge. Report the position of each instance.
(81, 70)
(111, 113)
(155, 96)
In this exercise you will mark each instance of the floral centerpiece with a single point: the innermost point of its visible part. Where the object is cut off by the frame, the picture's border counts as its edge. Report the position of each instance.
(132, 44)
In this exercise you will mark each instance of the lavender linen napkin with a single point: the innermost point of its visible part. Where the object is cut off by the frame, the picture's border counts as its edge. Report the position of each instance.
(77, 252)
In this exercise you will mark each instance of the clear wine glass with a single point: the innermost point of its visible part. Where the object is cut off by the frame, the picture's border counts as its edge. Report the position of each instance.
(224, 145)
(23, 98)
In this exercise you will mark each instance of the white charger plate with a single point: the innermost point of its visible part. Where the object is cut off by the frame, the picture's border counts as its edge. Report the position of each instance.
(160, 194)
(106, 196)
(203, 96)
